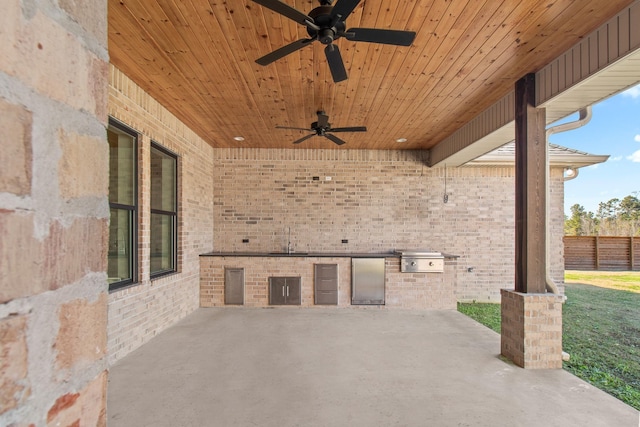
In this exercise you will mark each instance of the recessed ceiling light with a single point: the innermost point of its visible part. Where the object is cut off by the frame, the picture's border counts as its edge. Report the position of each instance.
(238, 138)
(401, 140)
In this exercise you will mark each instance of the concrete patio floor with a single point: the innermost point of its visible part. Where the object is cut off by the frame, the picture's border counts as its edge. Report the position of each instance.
(343, 367)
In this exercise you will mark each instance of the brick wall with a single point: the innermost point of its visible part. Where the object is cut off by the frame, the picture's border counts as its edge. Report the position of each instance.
(53, 213)
(531, 335)
(556, 227)
(402, 290)
(257, 273)
(378, 201)
(139, 312)
(421, 290)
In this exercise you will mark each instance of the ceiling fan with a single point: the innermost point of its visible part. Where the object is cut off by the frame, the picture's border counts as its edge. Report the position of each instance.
(326, 23)
(323, 128)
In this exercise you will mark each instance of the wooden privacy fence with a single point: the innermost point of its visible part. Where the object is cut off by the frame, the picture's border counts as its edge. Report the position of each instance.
(601, 253)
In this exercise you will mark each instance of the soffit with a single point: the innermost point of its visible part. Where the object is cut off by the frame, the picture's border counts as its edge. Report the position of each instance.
(558, 156)
(196, 57)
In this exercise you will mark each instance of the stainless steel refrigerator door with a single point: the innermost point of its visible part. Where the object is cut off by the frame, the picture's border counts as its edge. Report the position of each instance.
(367, 281)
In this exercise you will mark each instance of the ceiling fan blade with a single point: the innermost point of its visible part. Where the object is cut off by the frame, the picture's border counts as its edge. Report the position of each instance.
(323, 119)
(338, 72)
(287, 127)
(304, 138)
(349, 129)
(376, 35)
(343, 9)
(334, 138)
(283, 51)
(285, 10)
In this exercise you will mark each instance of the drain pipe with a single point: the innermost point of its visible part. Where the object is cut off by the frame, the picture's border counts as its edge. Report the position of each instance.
(585, 117)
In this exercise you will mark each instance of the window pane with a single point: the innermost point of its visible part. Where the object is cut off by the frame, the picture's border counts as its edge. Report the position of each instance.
(163, 211)
(119, 266)
(121, 167)
(163, 181)
(162, 243)
(122, 254)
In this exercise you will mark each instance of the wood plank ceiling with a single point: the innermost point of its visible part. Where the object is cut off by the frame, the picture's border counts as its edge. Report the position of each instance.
(197, 57)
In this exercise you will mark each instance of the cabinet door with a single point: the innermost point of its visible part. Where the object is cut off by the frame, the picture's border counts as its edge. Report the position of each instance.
(285, 290)
(293, 291)
(277, 290)
(234, 286)
(326, 284)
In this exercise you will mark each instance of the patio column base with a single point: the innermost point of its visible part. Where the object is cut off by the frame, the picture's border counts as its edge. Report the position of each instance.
(532, 329)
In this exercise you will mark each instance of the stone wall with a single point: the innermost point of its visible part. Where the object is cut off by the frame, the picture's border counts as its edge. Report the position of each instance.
(377, 201)
(139, 312)
(53, 213)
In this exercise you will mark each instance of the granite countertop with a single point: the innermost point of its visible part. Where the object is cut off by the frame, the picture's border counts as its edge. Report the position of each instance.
(313, 254)
(306, 254)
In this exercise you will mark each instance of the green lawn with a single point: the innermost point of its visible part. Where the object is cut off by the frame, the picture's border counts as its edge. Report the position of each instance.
(601, 330)
(621, 280)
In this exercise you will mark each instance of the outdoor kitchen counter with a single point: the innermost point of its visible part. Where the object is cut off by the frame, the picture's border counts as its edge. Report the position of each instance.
(314, 254)
(415, 290)
(305, 254)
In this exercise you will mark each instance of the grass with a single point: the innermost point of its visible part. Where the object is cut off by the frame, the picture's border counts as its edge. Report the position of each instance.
(621, 280)
(486, 313)
(601, 330)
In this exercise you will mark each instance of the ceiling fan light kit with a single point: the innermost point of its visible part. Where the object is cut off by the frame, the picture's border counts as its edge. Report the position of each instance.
(327, 23)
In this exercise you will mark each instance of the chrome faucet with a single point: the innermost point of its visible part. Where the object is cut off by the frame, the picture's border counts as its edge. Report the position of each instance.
(289, 242)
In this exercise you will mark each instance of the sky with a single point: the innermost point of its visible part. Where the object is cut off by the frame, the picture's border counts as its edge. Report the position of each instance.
(614, 130)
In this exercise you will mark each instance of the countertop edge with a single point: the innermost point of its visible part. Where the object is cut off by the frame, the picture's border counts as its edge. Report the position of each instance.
(300, 255)
(312, 255)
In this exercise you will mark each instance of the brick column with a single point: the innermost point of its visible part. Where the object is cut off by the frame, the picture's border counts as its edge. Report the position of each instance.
(532, 329)
(54, 213)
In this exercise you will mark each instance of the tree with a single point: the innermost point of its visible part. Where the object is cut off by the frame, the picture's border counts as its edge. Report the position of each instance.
(630, 208)
(580, 223)
(608, 210)
(614, 217)
(630, 214)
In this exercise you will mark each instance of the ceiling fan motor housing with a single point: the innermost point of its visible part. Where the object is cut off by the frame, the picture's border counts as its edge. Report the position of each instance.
(326, 36)
(325, 24)
(320, 130)
(329, 31)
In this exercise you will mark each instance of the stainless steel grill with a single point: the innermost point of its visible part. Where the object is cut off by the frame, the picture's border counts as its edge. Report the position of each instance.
(421, 261)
